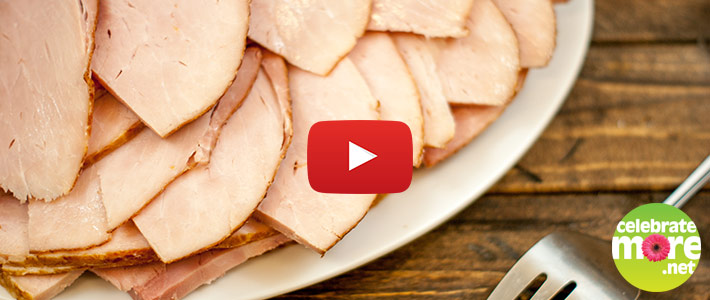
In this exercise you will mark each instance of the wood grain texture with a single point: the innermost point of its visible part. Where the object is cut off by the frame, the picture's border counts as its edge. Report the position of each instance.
(634, 126)
(651, 20)
(638, 118)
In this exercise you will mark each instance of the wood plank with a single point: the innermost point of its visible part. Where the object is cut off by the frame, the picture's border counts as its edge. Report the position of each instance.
(651, 20)
(677, 64)
(637, 119)
(467, 256)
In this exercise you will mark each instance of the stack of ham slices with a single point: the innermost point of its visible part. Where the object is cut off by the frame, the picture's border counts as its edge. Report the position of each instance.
(159, 144)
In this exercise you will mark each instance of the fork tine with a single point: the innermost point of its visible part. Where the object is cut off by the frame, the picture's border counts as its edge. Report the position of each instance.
(547, 290)
(566, 257)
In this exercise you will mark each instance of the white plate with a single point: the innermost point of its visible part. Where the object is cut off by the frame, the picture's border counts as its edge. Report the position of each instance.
(435, 195)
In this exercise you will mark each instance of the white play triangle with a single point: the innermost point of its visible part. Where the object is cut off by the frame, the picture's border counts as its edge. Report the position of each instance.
(358, 156)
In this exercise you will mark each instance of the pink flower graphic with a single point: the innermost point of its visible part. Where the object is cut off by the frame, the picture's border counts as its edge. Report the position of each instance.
(656, 247)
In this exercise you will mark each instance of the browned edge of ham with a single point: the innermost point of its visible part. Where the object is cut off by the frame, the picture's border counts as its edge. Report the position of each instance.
(38, 287)
(224, 109)
(114, 254)
(471, 120)
(113, 124)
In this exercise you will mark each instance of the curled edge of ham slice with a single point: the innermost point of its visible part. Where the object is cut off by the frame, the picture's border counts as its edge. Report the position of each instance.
(312, 35)
(207, 204)
(38, 287)
(438, 120)
(471, 120)
(481, 68)
(174, 281)
(137, 62)
(535, 26)
(113, 124)
(291, 206)
(431, 18)
(46, 126)
(228, 104)
(380, 64)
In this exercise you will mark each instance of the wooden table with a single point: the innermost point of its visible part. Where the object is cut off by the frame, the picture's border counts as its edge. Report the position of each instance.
(636, 123)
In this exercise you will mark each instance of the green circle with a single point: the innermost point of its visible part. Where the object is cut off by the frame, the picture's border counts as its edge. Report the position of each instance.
(664, 275)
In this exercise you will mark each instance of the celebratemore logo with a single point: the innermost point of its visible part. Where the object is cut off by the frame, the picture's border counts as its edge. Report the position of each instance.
(656, 247)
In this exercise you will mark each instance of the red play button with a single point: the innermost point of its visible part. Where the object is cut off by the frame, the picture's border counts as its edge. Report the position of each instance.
(360, 157)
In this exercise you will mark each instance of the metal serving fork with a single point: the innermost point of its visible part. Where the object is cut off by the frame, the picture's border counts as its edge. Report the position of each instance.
(567, 265)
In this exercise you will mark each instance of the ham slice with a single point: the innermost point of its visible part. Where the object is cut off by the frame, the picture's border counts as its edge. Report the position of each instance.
(46, 93)
(75, 221)
(471, 120)
(125, 278)
(431, 18)
(312, 35)
(133, 174)
(534, 25)
(174, 281)
(252, 230)
(112, 125)
(379, 62)
(152, 56)
(115, 188)
(38, 287)
(228, 104)
(481, 68)
(438, 120)
(205, 205)
(14, 243)
(315, 219)
(127, 247)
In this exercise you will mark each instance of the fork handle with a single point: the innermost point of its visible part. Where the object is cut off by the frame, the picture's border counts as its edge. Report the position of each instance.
(691, 185)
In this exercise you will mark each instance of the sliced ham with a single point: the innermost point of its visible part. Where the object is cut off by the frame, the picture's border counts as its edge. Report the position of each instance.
(471, 120)
(252, 230)
(169, 61)
(438, 120)
(39, 270)
(312, 35)
(112, 125)
(38, 287)
(185, 276)
(45, 93)
(275, 68)
(75, 221)
(481, 68)
(431, 18)
(229, 103)
(174, 281)
(389, 79)
(125, 278)
(132, 175)
(315, 219)
(205, 205)
(126, 247)
(534, 25)
(14, 243)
